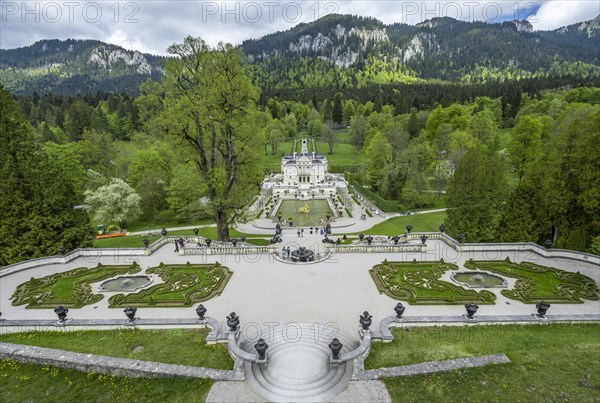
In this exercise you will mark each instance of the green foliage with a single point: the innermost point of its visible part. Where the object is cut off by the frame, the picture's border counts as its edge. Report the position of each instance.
(475, 196)
(116, 202)
(377, 155)
(36, 209)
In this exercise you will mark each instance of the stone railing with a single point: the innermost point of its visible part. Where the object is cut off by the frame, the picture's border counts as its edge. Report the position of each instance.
(237, 353)
(361, 351)
(228, 250)
(377, 248)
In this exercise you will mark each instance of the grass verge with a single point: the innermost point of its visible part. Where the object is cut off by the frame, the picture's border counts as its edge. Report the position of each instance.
(554, 362)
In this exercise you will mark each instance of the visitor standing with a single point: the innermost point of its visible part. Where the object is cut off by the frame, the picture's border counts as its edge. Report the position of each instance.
(176, 247)
(302, 232)
(298, 232)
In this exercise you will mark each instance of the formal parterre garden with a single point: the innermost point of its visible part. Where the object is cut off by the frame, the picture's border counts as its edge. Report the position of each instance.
(70, 289)
(183, 285)
(535, 283)
(420, 284)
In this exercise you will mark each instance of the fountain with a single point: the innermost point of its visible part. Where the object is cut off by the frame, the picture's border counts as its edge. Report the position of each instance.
(125, 283)
(479, 280)
(303, 255)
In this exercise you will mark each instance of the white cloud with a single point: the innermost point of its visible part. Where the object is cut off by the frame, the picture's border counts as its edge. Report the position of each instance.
(556, 14)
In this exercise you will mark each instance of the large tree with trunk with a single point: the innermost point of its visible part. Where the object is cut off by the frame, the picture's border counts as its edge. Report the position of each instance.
(210, 105)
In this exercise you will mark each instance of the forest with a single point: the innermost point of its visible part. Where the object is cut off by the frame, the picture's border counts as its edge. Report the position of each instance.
(511, 160)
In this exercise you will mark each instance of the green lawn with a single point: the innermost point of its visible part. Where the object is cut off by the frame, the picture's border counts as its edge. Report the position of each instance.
(37, 383)
(420, 284)
(128, 241)
(172, 346)
(184, 285)
(70, 289)
(536, 283)
(554, 362)
(318, 211)
(395, 226)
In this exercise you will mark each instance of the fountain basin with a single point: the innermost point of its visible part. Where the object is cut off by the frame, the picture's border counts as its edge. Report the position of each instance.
(479, 280)
(125, 283)
(303, 255)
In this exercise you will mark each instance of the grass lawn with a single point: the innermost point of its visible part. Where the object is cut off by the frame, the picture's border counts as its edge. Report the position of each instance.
(37, 383)
(184, 285)
(172, 346)
(70, 289)
(536, 283)
(318, 210)
(395, 226)
(554, 362)
(420, 284)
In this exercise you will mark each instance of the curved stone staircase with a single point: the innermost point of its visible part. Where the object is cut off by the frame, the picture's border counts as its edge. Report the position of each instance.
(298, 368)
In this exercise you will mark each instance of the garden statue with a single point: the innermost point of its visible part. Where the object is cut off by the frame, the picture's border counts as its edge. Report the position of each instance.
(471, 309)
(130, 313)
(61, 312)
(233, 321)
(201, 311)
(542, 307)
(335, 346)
(261, 348)
(399, 308)
(365, 320)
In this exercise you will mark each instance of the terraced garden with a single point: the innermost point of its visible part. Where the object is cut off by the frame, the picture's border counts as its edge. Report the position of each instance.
(420, 284)
(70, 289)
(184, 285)
(535, 283)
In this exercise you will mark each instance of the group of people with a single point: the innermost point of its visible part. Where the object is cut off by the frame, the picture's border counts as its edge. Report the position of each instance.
(286, 253)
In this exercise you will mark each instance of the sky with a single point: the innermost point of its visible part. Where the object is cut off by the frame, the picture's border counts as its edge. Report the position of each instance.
(151, 26)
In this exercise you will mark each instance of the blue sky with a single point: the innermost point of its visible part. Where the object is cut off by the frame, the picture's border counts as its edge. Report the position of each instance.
(151, 26)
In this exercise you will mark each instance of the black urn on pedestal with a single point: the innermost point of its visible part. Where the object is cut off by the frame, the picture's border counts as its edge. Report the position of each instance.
(471, 309)
(542, 308)
(196, 230)
(130, 313)
(369, 239)
(61, 312)
(233, 321)
(548, 244)
(365, 320)
(201, 311)
(423, 239)
(146, 242)
(164, 232)
(361, 236)
(409, 228)
(243, 238)
(261, 348)
(62, 250)
(442, 228)
(335, 346)
(461, 238)
(234, 242)
(399, 308)
(208, 242)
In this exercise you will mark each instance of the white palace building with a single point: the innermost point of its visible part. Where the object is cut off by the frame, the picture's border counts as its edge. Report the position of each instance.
(304, 174)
